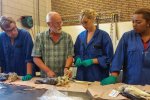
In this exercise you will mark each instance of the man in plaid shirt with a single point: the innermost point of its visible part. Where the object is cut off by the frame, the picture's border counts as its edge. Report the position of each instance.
(53, 49)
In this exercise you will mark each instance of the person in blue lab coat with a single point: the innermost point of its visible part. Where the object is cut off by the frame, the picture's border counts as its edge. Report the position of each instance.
(133, 52)
(93, 50)
(15, 49)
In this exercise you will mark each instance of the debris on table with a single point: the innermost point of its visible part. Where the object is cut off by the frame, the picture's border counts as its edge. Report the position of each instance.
(10, 77)
(62, 80)
(59, 81)
(133, 93)
(3, 76)
(50, 81)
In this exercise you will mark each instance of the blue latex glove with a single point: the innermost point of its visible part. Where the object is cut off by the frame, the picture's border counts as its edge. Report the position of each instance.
(27, 77)
(109, 80)
(87, 63)
(78, 62)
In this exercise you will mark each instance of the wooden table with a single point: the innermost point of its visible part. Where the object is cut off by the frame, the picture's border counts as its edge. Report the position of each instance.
(94, 89)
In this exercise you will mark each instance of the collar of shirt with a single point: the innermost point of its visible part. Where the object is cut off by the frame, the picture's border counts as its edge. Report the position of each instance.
(50, 36)
(146, 44)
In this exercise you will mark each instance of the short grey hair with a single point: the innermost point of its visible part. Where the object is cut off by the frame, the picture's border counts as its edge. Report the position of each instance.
(5, 22)
(50, 15)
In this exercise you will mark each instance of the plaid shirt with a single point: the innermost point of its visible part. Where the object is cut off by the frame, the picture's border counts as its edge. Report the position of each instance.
(53, 54)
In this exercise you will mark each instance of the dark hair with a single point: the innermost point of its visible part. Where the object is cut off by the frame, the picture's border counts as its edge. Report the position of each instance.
(145, 12)
(5, 22)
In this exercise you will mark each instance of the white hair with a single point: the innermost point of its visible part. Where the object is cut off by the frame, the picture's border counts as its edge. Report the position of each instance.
(49, 15)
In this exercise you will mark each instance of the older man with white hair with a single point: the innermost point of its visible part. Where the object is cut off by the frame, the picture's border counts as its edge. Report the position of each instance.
(53, 49)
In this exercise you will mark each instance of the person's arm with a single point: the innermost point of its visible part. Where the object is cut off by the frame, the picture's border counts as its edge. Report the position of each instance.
(70, 54)
(95, 61)
(117, 62)
(38, 61)
(77, 57)
(29, 68)
(28, 45)
(69, 62)
(106, 58)
(89, 62)
(116, 74)
(2, 60)
(28, 49)
(28, 76)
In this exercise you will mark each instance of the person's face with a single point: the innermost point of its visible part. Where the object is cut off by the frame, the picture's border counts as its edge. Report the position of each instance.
(56, 24)
(12, 31)
(140, 25)
(86, 23)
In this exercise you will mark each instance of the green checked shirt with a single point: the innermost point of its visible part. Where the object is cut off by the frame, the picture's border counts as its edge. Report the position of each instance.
(53, 54)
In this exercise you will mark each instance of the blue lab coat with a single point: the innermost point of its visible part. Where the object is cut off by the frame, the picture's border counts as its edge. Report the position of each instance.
(133, 59)
(14, 58)
(100, 47)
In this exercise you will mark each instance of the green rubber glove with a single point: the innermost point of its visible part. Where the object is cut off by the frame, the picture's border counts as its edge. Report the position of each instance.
(27, 77)
(109, 80)
(78, 62)
(87, 63)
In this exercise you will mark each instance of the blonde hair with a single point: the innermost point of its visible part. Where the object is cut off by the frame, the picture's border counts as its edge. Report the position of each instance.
(5, 22)
(89, 13)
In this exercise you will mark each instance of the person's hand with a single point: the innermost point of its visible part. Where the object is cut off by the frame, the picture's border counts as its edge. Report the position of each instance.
(78, 62)
(87, 63)
(109, 80)
(27, 77)
(51, 74)
(67, 72)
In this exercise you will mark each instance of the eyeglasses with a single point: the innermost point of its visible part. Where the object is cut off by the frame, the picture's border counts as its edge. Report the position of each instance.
(84, 22)
(13, 29)
(58, 23)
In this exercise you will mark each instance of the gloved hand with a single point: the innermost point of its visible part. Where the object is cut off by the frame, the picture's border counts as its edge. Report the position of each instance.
(109, 80)
(87, 63)
(27, 77)
(78, 62)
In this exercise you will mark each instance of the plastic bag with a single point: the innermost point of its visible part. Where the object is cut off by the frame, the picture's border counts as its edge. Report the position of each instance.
(54, 94)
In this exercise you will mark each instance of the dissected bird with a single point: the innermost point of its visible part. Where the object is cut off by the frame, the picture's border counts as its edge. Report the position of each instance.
(59, 81)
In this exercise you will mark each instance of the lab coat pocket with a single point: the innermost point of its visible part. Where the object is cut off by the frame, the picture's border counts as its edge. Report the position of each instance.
(19, 49)
(147, 59)
(132, 56)
(97, 50)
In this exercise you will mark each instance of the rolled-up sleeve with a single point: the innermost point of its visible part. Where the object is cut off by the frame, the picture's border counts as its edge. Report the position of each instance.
(36, 52)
